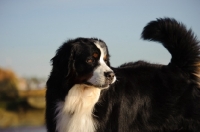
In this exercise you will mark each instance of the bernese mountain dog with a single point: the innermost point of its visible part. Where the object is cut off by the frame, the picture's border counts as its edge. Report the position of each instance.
(85, 94)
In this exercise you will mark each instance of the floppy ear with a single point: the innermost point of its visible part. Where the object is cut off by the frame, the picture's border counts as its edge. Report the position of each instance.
(63, 61)
(71, 62)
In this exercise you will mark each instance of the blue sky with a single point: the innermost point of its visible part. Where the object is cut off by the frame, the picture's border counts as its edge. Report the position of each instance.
(32, 30)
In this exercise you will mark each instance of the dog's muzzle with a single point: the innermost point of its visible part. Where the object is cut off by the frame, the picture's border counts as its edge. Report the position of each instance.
(109, 77)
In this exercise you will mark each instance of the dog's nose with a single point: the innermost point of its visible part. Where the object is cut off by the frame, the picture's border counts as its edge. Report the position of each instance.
(109, 75)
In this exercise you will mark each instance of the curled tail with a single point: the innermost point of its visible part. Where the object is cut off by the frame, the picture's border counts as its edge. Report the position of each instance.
(180, 42)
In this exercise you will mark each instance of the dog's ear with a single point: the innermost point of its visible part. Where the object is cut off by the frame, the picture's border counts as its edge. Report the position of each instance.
(71, 62)
(63, 61)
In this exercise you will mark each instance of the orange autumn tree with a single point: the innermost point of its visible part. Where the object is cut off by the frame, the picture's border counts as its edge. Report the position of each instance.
(8, 84)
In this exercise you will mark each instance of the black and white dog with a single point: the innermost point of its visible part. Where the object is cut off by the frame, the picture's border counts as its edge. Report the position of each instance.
(85, 94)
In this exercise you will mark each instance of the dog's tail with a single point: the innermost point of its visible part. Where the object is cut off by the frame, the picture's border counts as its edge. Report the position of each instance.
(180, 42)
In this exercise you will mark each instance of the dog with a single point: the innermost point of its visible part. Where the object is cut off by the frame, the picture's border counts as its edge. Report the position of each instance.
(86, 94)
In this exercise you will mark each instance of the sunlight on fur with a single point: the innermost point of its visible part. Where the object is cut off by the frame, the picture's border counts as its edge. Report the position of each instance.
(75, 114)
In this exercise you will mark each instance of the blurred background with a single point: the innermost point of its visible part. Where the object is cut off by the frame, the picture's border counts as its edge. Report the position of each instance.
(31, 31)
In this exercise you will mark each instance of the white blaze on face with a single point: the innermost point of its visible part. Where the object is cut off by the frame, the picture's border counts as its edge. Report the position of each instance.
(98, 77)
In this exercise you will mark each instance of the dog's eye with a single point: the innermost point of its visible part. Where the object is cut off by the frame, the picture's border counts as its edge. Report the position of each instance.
(90, 61)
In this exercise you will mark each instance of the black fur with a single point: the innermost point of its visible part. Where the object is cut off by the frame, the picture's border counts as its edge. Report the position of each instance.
(69, 68)
(146, 97)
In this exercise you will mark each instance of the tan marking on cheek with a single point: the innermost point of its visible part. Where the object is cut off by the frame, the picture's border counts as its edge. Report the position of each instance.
(82, 79)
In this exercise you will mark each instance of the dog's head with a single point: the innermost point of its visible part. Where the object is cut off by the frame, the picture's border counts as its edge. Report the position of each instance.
(84, 61)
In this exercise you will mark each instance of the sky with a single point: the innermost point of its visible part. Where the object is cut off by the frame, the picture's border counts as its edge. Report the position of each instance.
(32, 30)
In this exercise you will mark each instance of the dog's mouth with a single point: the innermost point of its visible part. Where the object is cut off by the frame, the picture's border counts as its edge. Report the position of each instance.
(104, 86)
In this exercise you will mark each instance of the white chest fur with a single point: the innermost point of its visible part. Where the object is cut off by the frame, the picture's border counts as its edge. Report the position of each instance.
(75, 114)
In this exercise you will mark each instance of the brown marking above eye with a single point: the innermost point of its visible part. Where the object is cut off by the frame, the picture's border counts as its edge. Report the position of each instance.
(95, 55)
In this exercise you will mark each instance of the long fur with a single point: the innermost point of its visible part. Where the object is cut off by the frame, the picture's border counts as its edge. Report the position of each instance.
(144, 98)
(77, 110)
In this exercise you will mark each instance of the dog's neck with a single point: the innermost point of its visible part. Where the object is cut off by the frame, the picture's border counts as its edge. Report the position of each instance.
(75, 114)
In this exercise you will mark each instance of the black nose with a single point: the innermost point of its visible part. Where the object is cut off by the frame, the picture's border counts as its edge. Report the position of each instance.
(109, 75)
